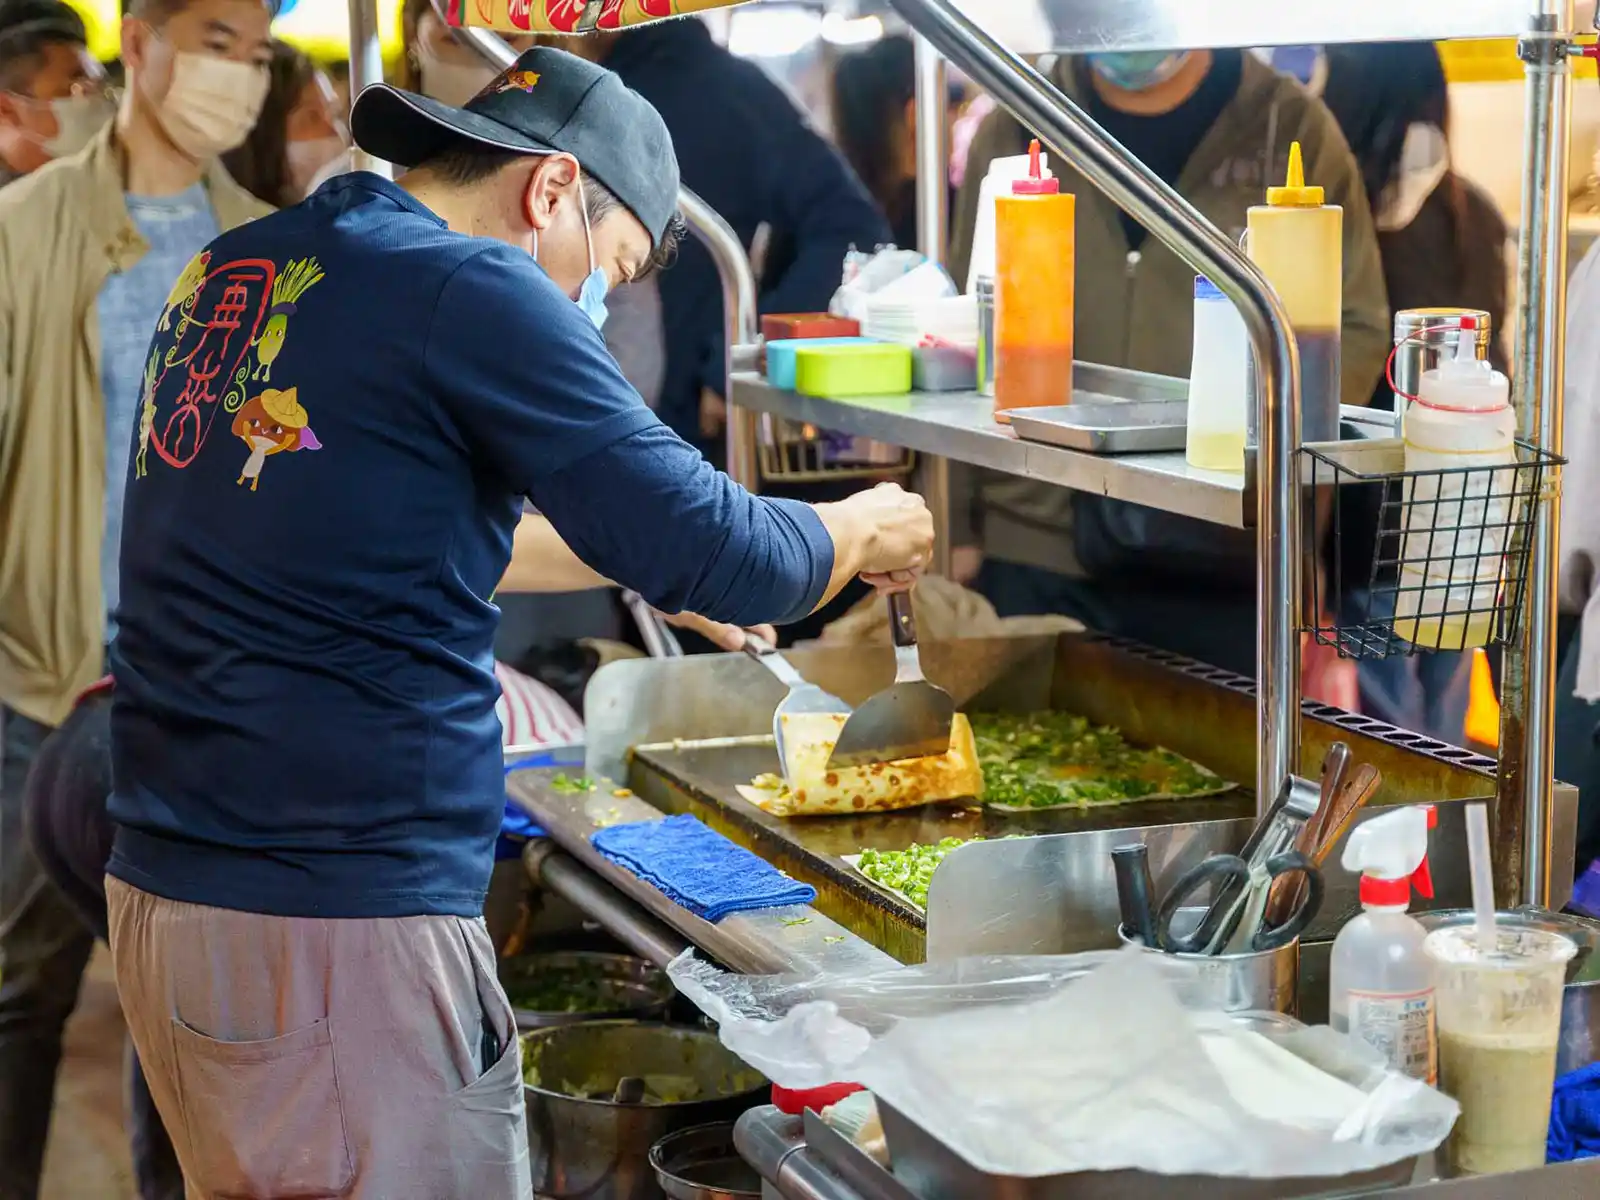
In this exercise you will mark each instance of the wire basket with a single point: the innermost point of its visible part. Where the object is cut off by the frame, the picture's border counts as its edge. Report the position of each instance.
(797, 452)
(1449, 562)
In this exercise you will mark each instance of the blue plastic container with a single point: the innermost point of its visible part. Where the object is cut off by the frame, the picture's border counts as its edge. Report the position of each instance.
(780, 356)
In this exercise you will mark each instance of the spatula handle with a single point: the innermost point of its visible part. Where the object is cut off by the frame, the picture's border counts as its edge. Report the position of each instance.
(902, 625)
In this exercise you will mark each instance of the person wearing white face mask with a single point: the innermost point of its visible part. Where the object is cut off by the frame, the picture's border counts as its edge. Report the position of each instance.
(52, 92)
(298, 139)
(435, 64)
(308, 765)
(92, 246)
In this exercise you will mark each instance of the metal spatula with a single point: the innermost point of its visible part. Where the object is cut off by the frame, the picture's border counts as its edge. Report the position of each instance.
(803, 697)
(909, 719)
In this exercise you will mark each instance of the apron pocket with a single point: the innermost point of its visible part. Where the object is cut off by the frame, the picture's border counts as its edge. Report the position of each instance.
(264, 1119)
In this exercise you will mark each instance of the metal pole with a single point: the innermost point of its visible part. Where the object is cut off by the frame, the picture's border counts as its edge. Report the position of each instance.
(933, 202)
(741, 324)
(1525, 793)
(1070, 132)
(366, 67)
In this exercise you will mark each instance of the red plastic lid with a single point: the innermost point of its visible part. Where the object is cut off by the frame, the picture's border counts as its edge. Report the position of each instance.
(795, 1101)
(1035, 184)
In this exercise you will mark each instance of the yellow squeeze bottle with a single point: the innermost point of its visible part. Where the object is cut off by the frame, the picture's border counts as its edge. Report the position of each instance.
(1298, 242)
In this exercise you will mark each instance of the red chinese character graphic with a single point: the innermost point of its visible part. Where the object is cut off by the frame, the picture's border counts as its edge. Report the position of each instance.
(206, 363)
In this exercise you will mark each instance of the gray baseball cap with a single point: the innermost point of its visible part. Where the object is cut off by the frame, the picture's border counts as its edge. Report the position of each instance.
(548, 102)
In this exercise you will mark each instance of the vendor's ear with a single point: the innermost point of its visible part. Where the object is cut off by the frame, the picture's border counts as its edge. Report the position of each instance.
(553, 182)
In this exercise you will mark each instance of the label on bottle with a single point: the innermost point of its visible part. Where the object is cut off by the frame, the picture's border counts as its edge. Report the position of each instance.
(1400, 1026)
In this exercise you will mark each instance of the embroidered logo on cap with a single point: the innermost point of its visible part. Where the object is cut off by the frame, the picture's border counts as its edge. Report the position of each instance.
(514, 81)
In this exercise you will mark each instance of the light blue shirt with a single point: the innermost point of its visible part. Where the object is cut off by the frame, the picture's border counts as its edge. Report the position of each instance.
(177, 228)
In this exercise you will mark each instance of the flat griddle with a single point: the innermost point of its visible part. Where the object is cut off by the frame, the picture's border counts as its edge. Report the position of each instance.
(702, 778)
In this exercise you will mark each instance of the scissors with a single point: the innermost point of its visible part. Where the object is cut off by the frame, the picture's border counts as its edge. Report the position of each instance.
(1234, 922)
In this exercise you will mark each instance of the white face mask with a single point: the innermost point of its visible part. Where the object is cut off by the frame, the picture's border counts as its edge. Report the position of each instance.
(78, 119)
(212, 104)
(451, 82)
(308, 161)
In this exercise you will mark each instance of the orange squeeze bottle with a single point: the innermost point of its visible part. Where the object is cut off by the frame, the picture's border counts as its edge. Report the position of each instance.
(1034, 259)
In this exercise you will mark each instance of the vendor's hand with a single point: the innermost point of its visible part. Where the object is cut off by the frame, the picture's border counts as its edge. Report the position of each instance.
(893, 534)
(727, 637)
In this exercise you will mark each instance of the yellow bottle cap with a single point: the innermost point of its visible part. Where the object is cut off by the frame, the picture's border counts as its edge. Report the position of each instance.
(1294, 193)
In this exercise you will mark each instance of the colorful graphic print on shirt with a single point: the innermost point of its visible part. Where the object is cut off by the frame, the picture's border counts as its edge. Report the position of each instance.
(220, 334)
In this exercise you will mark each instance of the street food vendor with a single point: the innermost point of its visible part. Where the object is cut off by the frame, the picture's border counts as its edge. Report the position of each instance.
(343, 412)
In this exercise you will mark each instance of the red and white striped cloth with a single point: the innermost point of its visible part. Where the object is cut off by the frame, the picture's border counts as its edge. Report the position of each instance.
(532, 714)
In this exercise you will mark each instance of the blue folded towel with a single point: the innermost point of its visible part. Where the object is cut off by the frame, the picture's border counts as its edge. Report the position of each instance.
(1575, 1116)
(698, 868)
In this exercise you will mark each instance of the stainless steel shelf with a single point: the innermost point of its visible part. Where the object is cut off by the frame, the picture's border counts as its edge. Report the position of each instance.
(961, 426)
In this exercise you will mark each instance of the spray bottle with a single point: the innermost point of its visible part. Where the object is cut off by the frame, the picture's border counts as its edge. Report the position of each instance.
(1381, 989)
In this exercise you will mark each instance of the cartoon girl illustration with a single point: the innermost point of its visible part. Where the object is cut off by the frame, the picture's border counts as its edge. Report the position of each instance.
(188, 284)
(268, 424)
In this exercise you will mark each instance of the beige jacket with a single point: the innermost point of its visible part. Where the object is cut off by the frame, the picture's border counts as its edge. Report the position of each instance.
(63, 230)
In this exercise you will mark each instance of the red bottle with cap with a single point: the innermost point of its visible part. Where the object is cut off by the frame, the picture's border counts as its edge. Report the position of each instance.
(1035, 257)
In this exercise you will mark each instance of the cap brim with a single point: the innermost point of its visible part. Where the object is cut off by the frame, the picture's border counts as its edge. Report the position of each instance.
(406, 129)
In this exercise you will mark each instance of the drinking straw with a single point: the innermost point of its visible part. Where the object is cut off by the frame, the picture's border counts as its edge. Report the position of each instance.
(1482, 881)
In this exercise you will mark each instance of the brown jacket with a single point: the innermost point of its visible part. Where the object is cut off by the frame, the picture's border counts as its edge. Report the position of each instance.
(1135, 308)
(63, 230)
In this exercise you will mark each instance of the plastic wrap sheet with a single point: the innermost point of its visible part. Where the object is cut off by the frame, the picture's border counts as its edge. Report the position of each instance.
(1033, 1066)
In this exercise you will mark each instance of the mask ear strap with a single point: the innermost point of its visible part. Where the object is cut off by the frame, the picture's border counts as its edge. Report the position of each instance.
(583, 209)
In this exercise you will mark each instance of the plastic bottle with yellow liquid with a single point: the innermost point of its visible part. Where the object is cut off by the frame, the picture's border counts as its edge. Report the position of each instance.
(1298, 242)
(1034, 262)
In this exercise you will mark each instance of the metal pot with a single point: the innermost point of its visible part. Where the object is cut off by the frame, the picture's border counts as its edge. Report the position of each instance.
(599, 1149)
(1263, 980)
(702, 1164)
(582, 985)
(1580, 1003)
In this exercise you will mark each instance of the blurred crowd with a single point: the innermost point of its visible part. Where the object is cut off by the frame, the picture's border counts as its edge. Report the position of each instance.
(117, 175)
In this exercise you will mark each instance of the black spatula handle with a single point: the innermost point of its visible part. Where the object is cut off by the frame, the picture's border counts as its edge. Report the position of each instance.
(901, 623)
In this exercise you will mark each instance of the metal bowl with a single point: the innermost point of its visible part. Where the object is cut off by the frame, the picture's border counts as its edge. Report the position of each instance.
(563, 989)
(701, 1163)
(586, 1146)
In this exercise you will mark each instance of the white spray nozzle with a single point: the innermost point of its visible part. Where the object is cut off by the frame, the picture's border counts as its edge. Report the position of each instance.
(1391, 855)
(1388, 847)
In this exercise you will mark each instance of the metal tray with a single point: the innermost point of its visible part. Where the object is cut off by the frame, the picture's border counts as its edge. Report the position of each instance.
(1119, 427)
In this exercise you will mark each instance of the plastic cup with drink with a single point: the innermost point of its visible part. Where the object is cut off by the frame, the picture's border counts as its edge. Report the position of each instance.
(1499, 1019)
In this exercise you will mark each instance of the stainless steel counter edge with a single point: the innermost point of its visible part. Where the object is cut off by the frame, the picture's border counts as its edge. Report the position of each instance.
(768, 941)
(777, 1147)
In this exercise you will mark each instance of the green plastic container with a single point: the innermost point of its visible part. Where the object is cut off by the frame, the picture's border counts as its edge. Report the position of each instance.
(852, 369)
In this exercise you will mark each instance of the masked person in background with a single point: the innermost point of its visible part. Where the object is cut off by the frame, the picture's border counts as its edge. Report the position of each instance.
(95, 251)
(52, 92)
(1216, 126)
(435, 64)
(299, 138)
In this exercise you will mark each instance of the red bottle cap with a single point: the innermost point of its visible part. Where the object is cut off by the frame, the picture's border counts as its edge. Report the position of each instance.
(1035, 184)
(794, 1101)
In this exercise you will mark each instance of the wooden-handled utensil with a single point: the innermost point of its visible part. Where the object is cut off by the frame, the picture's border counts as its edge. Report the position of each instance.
(1334, 817)
(1363, 785)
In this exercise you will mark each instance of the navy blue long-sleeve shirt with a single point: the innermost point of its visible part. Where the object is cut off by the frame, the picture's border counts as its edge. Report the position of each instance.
(748, 152)
(342, 412)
